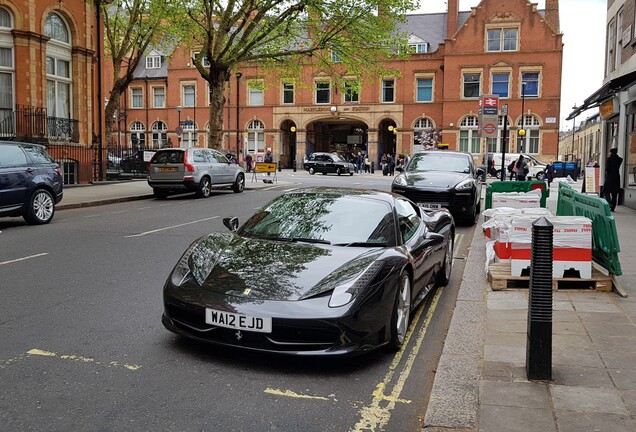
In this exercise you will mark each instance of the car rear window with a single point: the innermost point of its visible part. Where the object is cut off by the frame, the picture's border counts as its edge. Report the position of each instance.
(175, 156)
(38, 154)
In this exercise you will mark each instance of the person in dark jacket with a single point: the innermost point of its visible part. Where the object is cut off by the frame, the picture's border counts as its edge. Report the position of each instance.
(548, 173)
(612, 185)
(521, 168)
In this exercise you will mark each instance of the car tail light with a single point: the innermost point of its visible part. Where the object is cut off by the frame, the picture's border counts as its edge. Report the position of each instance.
(147, 166)
(188, 167)
(58, 170)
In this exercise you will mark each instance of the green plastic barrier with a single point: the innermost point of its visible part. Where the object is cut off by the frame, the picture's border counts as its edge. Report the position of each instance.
(605, 246)
(517, 186)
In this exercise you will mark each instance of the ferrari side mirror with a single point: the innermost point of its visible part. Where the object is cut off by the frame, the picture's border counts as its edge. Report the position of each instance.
(231, 223)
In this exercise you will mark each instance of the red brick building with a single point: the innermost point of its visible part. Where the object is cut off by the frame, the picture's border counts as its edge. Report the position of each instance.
(49, 84)
(432, 98)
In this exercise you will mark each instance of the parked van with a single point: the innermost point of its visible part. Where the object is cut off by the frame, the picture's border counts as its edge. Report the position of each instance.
(536, 167)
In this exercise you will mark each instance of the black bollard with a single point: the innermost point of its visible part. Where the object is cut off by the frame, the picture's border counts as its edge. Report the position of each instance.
(372, 167)
(294, 165)
(539, 346)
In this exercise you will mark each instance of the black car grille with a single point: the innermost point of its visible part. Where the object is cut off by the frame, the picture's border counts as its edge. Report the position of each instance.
(429, 196)
(286, 335)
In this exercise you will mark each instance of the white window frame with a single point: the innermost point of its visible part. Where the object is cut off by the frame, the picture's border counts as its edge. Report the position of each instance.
(255, 93)
(190, 135)
(522, 80)
(386, 88)
(493, 145)
(418, 48)
(159, 134)
(502, 39)
(348, 97)
(138, 132)
(204, 61)
(319, 83)
(471, 142)
(136, 97)
(508, 74)
(187, 99)
(59, 52)
(256, 136)
(466, 72)
(417, 87)
(153, 62)
(532, 139)
(7, 95)
(288, 88)
(159, 97)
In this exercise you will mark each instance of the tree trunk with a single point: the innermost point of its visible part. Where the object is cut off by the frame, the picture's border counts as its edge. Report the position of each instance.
(217, 79)
(110, 112)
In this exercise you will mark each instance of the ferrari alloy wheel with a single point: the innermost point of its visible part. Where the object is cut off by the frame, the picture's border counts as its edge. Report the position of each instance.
(312, 171)
(447, 267)
(401, 312)
(40, 208)
(204, 189)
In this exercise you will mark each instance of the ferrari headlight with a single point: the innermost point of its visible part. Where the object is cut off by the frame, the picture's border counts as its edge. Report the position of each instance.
(348, 290)
(400, 180)
(182, 272)
(464, 185)
(196, 263)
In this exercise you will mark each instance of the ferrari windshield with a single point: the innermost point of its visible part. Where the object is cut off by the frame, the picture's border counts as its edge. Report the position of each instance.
(439, 161)
(348, 220)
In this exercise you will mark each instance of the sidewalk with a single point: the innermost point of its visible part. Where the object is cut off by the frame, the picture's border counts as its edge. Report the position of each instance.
(481, 382)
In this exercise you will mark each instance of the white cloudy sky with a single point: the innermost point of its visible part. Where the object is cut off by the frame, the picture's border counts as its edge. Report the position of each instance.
(583, 27)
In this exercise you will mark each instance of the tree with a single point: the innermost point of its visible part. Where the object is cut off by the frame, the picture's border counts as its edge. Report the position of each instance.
(282, 37)
(131, 28)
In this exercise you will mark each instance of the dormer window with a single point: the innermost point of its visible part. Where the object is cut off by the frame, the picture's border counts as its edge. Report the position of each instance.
(502, 39)
(418, 48)
(153, 62)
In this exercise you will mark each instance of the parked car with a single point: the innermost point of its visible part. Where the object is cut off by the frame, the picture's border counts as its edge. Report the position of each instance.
(193, 169)
(137, 162)
(30, 182)
(442, 179)
(326, 163)
(340, 277)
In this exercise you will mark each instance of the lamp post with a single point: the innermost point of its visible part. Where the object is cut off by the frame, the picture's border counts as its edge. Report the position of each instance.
(238, 99)
(179, 129)
(293, 137)
(574, 108)
(522, 131)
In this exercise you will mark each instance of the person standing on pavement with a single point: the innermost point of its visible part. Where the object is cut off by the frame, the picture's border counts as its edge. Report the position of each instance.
(612, 185)
(269, 158)
(391, 162)
(548, 173)
(367, 164)
(248, 162)
(521, 169)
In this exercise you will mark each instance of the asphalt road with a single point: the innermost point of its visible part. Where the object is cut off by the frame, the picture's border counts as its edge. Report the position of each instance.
(82, 347)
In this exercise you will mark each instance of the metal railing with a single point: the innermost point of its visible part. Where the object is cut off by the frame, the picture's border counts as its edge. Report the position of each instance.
(32, 124)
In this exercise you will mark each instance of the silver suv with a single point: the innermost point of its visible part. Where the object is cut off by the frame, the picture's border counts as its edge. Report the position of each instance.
(193, 169)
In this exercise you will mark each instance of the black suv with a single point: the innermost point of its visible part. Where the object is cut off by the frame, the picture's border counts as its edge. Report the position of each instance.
(30, 182)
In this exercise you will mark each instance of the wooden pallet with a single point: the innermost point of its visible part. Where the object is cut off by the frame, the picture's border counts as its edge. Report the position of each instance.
(500, 278)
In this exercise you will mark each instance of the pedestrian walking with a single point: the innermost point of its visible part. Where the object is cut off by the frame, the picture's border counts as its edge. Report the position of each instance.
(248, 162)
(521, 169)
(548, 173)
(612, 185)
(367, 164)
(391, 162)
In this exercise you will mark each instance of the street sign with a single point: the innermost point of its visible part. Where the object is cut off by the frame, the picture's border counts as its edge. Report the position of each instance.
(178, 130)
(490, 130)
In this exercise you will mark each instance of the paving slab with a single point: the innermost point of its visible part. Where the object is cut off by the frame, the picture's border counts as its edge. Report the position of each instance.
(587, 399)
(519, 394)
(515, 419)
(582, 422)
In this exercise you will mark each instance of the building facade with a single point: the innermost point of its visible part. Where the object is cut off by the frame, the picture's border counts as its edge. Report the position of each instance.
(504, 47)
(49, 84)
(583, 144)
(616, 98)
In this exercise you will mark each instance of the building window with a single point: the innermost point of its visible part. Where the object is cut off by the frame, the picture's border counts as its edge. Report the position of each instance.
(619, 38)
(469, 140)
(351, 94)
(531, 141)
(418, 48)
(153, 62)
(255, 137)
(502, 39)
(388, 90)
(471, 85)
(501, 84)
(188, 95)
(7, 86)
(335, 57)
(611, 46)
(58, 67)
(288, 93)
(425, 137)
(204, 61)
(189, 134)
(424, 90)
(531, 79)
(159, 97)
(255, 94)
(137, 136)
(136, 97)
(323, 92)
(159, 135)
(493, 145)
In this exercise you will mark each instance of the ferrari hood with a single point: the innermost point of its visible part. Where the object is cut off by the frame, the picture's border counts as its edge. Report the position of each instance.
(434, 179)
(258, 269)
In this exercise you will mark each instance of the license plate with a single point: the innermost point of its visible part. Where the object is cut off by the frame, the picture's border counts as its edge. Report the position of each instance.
(431, 206)
(238, 321)
(167, 169)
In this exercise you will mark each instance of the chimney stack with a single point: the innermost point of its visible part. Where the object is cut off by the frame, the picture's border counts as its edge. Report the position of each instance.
(552, 14)
(452, 17)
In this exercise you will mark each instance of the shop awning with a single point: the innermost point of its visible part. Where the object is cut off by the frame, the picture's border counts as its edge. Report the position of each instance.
(607, 91)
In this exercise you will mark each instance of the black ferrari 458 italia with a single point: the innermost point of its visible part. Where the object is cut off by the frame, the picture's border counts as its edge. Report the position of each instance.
(317, 271)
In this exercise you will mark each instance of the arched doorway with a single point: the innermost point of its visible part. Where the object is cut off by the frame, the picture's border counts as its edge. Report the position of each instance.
(387, 138)
(347, 137)
(288, 144)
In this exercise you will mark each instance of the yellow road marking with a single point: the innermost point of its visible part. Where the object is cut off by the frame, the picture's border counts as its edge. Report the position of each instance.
(375, 417)
(77, 358)
(292, 394)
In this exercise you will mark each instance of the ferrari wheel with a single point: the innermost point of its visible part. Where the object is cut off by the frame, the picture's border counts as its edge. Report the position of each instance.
(447, 266)
(401, 313)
